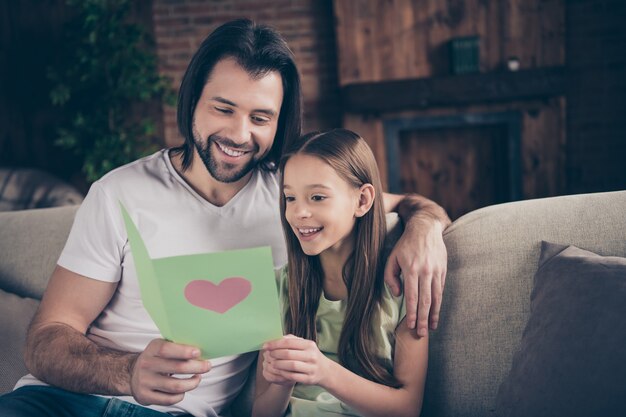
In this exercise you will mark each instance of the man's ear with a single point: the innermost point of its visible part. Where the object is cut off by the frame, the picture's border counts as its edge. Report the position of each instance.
(366, 199)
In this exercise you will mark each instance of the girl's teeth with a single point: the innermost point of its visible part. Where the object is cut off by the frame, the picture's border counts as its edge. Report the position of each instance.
(308, 231)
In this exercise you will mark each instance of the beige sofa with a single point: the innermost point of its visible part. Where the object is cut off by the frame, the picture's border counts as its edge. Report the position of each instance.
(493, 254)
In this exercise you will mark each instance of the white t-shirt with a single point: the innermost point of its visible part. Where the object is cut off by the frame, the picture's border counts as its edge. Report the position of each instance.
(172, 220)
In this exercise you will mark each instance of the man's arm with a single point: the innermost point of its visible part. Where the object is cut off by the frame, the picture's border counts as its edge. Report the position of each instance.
(421, 256)
(272, 392)
(58, 352)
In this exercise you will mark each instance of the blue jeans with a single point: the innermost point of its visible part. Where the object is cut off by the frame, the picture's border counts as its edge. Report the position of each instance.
(45, 401)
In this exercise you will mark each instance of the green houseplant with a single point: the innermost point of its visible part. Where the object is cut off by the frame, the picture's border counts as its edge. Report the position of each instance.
(104, 81)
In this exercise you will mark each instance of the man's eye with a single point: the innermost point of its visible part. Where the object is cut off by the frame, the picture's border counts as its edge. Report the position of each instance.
(289, 199)
(259, 119)
(318, 198)
(223, 110)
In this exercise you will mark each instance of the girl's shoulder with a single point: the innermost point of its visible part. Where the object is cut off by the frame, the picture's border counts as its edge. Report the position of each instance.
(393, 308)
(282, 279)
(281, 273)
(391, 313)
(282, 286)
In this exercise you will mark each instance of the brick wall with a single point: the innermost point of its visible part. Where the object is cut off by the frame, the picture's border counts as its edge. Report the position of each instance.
(307, 25)
(596, 96)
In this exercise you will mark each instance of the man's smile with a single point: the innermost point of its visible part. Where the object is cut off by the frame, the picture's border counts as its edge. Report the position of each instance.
(229, 151)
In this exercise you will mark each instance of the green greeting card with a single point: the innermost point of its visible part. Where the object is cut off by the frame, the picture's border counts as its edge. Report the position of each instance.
(225, 303)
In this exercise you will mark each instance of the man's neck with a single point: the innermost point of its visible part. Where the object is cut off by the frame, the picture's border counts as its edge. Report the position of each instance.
(200, 179)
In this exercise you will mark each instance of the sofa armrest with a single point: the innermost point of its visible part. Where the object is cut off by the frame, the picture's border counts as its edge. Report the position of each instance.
(30, 244)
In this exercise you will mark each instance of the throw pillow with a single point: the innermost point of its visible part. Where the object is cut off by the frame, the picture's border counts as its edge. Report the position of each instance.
(572, 357)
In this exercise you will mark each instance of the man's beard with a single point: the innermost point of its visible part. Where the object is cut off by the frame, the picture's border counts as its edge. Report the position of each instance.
(223, 172)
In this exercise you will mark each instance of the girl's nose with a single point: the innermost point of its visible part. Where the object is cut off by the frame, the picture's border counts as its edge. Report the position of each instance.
(302, 211)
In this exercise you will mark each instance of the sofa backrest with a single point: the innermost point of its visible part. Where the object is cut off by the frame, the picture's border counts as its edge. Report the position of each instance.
(493, 254)
(30, 244)
(29, 188)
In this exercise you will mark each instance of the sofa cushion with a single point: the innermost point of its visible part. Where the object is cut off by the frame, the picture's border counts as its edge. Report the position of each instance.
(16, 313)
(571, 361)
(30, 244)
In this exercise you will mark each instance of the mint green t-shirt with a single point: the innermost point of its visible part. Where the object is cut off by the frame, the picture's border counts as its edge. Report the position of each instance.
(312, 400)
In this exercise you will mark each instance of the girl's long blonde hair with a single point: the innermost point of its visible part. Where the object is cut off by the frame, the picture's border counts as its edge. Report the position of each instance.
(350, 156)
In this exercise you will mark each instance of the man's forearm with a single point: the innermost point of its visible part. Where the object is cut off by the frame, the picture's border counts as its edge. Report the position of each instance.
(415, 208)
(273, 401)
(63, 357)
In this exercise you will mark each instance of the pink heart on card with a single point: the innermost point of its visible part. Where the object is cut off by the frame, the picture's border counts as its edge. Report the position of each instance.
(218, 297)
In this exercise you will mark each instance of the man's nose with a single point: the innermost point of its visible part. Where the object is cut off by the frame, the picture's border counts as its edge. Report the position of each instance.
(239, 130)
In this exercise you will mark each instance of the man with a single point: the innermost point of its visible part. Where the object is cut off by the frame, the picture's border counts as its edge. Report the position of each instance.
(239, 102)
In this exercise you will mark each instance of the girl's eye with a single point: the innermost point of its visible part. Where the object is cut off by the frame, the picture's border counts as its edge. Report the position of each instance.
(289, 199)
(223, 110)
(318, 198)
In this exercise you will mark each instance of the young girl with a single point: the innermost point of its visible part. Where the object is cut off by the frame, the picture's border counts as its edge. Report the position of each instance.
(347, 352)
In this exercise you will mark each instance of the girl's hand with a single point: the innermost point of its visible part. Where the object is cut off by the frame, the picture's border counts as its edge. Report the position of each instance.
(295, 360)
(273, 375)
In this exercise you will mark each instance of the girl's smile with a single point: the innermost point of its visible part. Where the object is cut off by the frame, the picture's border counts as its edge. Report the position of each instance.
(308, 233)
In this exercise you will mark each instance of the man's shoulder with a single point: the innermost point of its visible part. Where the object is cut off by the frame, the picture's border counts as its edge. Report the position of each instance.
(269, 179)
(138, 170)
(269, 174)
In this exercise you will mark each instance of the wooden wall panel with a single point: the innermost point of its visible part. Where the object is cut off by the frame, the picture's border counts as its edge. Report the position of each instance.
(370, 129)
(395, 39)
(543, 150)
(459, 168)
(382, 40)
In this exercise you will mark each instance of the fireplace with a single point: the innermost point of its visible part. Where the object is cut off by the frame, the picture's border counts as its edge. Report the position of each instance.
(462, 161)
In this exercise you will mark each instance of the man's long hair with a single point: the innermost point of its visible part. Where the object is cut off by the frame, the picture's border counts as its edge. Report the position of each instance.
(258, 49)
(350, 156)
